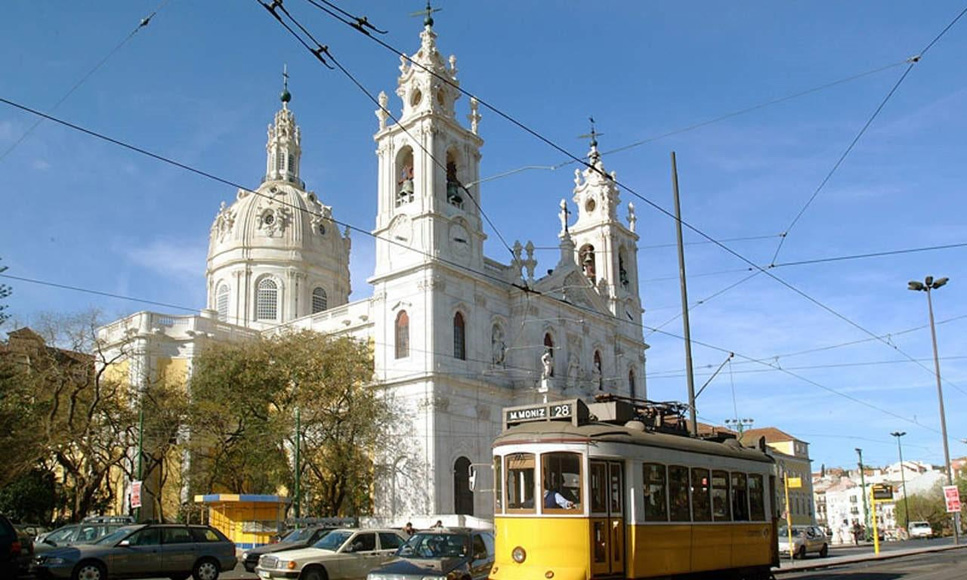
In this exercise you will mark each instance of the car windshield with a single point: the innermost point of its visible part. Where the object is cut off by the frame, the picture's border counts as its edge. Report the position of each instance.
(300, 535)
(333, 540)
(784, 533)
(115, 536)
(427, 546)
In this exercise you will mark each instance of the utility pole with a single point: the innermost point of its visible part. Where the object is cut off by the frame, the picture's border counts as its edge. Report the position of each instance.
(298, 472)
(903, 478)
(692, 412)
(137, 510)
(866, 513)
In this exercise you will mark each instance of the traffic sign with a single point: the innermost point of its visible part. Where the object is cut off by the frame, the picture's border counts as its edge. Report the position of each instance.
(952, 496)
(135, 494)
(882, 491)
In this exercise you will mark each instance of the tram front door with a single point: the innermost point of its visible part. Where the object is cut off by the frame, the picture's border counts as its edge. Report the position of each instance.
(607, 519)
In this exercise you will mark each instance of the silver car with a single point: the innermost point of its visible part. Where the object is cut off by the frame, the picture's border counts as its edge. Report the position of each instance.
(143, 551)
(805, 540)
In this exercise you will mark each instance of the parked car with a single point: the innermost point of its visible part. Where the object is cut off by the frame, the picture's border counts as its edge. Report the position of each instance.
(920, 530)
(301, 538)
(340, 554)
(71, 534)
(144, 550)
(805, 540)
(16, 550)
(442, 553)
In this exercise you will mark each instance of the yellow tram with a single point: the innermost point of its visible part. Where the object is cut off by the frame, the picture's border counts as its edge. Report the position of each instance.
(618, 489)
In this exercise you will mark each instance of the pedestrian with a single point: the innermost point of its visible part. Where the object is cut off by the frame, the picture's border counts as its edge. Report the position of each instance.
(408, 528)
(438, 524)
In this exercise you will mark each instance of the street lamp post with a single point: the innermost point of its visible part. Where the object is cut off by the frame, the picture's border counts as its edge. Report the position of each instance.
(928, 285)
(866, 512)
(903, 479)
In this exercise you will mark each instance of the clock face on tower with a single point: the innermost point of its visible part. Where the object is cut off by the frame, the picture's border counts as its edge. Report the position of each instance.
(459, 240)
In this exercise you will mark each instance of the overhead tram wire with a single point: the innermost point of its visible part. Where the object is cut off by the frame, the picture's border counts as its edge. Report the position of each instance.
(633, 192)
(365, 232)
(142, 24)
(323, 49)
(912, 61)
(230, 183)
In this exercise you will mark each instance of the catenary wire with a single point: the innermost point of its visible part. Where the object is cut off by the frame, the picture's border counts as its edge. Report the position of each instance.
(633, 192)
(458, 266)
(142, 24)
(322, 49)
(912, 61)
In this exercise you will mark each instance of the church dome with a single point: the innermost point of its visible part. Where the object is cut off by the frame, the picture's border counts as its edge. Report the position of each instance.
(275, 253)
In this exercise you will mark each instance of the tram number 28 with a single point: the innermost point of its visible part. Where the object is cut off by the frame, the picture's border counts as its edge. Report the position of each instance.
(560, 411)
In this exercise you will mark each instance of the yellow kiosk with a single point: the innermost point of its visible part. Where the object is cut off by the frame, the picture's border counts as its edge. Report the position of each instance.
(248, 520)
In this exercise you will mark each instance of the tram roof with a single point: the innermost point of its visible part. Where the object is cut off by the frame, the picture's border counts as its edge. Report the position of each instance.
(584, 428)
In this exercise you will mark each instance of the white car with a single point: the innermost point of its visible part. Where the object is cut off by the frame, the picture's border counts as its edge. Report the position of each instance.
(805, 539)
(920, 530)
(342, 554)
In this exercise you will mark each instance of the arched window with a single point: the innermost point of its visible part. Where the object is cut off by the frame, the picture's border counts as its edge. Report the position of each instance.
(267, 300)
(454, 195)
(221, 302)
(596, 370)
(319, 300)
(586, 255)
(549, 348)
(459, 337)
(402, 335)
(462, 495)
(405, 175)
(631, 383)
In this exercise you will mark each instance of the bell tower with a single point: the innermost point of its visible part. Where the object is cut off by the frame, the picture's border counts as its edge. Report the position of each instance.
(606, 249)
(284, 146)
(428, 167)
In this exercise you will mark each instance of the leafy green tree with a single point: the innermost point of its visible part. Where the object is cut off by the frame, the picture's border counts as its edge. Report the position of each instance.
(31, 498)
(245, 398)
(73, 421)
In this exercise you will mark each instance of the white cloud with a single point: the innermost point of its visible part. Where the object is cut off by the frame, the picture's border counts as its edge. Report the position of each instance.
(177, 259)
(40, 165)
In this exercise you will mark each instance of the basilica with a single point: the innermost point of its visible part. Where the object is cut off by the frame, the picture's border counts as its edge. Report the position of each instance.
(456, 335)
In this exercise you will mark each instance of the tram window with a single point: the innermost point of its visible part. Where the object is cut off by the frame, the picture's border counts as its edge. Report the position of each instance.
(740, 498)
(615, 488)
(701, 504)
(678, 493)
(520, 482)
(599, 487)
(562, 475)
(720, 496)
(757, 505)
(656, 504)
(498, 485)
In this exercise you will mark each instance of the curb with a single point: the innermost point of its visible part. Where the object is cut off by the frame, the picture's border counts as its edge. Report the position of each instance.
(831, 562)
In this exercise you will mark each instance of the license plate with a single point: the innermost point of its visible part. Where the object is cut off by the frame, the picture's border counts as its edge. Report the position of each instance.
(264, 574)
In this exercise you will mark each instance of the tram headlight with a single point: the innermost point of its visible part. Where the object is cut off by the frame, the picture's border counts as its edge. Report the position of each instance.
(519, 555)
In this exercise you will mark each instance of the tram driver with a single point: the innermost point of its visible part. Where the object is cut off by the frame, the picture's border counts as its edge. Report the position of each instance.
(554, 499)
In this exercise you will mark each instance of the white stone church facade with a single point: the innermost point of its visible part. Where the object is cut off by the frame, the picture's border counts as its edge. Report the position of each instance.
(456, 335)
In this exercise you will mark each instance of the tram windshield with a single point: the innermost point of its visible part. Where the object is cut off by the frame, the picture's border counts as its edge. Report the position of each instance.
(520, 481)
(562, 481)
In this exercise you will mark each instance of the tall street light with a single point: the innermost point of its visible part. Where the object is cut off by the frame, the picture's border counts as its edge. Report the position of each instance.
(903, 479)
(928, 285)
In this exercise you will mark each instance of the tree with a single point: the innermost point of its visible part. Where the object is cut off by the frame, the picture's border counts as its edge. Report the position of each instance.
(5, 292)
(245, 397)
(75, 419)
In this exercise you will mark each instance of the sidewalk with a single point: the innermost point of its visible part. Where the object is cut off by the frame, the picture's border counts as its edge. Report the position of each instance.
(814, 563)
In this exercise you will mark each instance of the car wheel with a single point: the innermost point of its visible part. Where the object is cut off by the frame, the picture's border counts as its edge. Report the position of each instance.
(90, 571)
(801, 553)
(206, 569)
(315, 573)
(824, 551)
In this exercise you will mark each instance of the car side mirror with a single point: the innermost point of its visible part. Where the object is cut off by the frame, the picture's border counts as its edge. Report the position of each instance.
(124, 543)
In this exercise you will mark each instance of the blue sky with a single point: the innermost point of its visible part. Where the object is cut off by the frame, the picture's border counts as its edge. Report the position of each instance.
(201, 82)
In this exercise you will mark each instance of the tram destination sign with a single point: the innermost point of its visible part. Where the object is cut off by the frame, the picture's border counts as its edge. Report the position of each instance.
(573, 411)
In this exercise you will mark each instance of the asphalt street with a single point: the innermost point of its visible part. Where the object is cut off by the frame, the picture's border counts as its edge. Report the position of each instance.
(946, 564)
